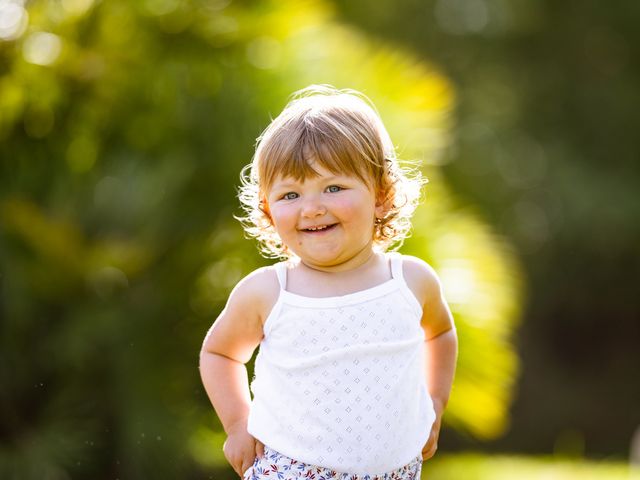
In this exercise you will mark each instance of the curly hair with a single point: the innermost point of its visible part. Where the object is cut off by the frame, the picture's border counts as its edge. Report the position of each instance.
(341, 131)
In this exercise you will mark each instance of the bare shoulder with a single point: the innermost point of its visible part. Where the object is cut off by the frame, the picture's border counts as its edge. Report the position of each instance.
(257, 292)
(239, 328)
(421, 278)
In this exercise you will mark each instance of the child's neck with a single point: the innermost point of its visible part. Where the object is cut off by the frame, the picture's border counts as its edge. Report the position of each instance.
(359, 261)
(307, 280)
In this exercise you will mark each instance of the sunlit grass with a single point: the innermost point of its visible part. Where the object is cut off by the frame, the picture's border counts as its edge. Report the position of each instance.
(472, 466)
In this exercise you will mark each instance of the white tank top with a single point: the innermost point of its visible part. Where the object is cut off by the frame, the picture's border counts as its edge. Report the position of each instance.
(340, 381)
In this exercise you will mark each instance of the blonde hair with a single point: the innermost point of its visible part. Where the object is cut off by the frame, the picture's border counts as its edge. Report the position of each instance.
(341, 131)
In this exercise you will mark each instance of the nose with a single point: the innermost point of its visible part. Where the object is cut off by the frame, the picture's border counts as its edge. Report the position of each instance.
(313, 207)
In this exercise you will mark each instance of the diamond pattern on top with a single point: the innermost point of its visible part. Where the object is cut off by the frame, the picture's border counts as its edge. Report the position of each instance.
(350, 373)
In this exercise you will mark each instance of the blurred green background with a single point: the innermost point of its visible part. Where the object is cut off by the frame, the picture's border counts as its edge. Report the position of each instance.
(123, 129)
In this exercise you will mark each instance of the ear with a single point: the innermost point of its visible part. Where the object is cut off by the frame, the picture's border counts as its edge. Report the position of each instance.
(264, 208)
(383, 204)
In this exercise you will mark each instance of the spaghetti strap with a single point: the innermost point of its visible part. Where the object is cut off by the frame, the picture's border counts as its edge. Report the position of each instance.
(396, 265)
(281, 272)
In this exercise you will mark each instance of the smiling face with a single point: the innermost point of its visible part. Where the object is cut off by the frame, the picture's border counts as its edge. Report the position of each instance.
(327, 220)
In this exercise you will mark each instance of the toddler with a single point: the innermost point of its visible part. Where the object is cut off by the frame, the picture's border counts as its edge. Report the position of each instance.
(357, 345)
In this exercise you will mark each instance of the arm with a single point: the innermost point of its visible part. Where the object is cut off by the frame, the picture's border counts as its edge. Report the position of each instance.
(441, 353)
(441, 344)
(228, 346)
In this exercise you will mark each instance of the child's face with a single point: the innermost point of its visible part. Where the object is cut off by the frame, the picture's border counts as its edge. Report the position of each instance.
(328, 220)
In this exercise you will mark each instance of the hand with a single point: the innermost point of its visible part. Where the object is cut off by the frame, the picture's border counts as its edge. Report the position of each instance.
(429, 449)
(241, 449)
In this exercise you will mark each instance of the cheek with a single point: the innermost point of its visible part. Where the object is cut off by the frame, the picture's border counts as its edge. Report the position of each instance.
(356, 210)
(283, 217)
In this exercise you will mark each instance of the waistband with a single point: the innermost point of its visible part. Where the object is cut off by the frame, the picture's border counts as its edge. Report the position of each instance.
(275, 465)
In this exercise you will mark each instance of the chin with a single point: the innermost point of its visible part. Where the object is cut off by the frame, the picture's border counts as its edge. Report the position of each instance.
(324, 261)
(327, 260)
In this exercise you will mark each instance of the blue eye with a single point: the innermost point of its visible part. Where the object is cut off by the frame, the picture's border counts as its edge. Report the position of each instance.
(334, 189)
(290, 196)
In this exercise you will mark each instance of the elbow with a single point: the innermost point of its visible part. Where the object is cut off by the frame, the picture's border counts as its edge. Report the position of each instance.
(204, 358)
(448, 332)
(201, 358)
(208, 356)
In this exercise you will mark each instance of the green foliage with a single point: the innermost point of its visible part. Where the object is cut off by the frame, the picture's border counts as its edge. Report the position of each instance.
(123, 130)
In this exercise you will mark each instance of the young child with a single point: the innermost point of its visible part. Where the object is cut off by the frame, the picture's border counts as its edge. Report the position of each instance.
(357, 346)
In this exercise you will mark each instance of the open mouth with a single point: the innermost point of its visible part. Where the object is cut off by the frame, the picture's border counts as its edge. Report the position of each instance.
(319, 228)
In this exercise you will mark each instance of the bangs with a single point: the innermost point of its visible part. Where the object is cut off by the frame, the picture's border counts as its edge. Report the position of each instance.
(294, 149)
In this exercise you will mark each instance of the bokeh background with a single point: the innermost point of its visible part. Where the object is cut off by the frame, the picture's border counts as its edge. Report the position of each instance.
(123, 129)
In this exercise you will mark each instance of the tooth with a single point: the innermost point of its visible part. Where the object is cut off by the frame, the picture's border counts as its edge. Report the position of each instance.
(313, 229)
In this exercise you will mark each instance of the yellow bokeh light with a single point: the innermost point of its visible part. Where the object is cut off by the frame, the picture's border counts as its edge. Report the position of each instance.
(42, 48)
(76, 8)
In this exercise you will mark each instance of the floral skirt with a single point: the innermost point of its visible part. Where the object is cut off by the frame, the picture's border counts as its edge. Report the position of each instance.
(276, 466)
